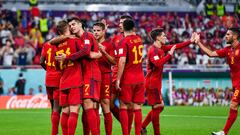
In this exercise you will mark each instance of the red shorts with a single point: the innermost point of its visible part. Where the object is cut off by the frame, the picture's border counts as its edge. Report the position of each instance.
(106, 84)
(71, 97)
(132, 93)
(92, 90)
(53, 93)
(236, 95)
(154, 96)
(113, 88)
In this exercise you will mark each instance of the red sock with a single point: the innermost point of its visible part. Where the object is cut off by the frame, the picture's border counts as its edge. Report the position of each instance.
(108, 123)
(86, 130)
(115, 112)
(138, 121)
(91, 119)
(147, 120)
(98, 120)
(155, 120)
(130, 119)
(123, 117)
(72, 123)
(64, 123)
(55, 122)
(231, 118)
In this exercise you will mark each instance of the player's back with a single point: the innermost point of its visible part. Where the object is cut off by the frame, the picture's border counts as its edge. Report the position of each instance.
(133, 71)
(71, 69)
(52, 75)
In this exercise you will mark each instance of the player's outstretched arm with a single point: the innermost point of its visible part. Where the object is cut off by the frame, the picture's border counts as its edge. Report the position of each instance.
(209, 52)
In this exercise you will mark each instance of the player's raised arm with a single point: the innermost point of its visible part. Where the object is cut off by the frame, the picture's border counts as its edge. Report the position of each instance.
(209, 52)
(110, 58)
(43, 59)
(181, 45)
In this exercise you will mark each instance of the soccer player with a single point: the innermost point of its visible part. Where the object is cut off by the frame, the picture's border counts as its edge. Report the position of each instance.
(70, 91)
(52, 81)
(153, 81)
(130, 77)
(105, 63)
(114, 109)
(231, 53)
(91, 71)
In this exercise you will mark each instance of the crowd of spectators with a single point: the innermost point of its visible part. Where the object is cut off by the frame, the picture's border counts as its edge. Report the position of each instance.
(22, 36)
(201, 96)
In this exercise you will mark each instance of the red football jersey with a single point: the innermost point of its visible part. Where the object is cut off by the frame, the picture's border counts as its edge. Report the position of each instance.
(90, 66)
(233, 59)
(53, 76)
(155, 60)
(104, 64)
(71, 70)
(131, 47)
(116, 39)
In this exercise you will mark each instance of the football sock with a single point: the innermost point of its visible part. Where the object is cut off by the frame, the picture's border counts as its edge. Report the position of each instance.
(231, 118)
(55, 122)
(130, 119)
(147, 120)
(91, 118)
(155, 119)
(64, 123)
(138, 121)
(86, 130)
(72, 123)
(98, 119)
(123, 116)
(108, 123)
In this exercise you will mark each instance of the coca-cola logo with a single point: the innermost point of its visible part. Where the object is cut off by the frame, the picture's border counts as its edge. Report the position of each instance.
(37, 101)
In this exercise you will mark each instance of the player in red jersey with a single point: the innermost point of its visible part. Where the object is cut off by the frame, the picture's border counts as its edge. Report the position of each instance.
(232, 54)
(105, 63)
(153, 81)
(52, 81)
(130, 77)
(91, 72)
(114, 109)
(70, 91)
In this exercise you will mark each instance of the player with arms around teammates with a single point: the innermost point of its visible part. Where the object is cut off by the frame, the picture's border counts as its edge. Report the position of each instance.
(130, 77)
(232, 54)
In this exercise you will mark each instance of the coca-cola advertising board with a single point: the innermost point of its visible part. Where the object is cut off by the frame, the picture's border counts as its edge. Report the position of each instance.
(18, 102)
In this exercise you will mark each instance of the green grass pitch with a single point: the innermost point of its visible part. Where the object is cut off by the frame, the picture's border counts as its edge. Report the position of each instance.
(173, 121)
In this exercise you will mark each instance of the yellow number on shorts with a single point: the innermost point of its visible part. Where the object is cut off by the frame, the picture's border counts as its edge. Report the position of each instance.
(86, 90)
(107, 90)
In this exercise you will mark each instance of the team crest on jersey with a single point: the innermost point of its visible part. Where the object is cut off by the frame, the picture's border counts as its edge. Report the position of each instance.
(120, 51)
(156, 58)
(86, 41)
(237, 52)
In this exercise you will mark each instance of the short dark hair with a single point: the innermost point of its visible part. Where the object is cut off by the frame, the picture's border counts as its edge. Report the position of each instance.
(100, 24)
(126, 17)
(235, 31)
(61, 27)
(155, 32)
(128, 25)
(77, 19)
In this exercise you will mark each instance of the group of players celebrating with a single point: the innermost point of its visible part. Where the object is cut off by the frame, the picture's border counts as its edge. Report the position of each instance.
(85, 69)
